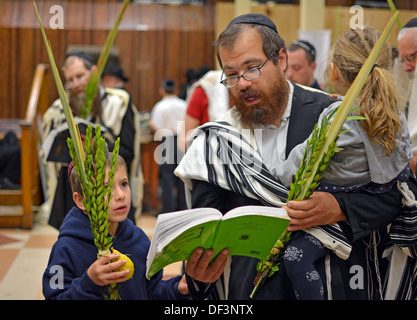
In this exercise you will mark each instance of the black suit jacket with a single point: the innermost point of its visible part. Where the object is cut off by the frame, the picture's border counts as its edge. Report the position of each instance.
(305, 111)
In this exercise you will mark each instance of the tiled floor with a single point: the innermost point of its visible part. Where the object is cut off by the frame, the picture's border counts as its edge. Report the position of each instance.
(24, 255)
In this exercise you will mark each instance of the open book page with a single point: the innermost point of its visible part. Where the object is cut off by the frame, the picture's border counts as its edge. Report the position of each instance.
(178, 234)
(258, 210)
(250, 231)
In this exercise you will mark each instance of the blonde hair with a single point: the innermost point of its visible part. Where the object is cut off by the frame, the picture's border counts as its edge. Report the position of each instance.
(378, 99)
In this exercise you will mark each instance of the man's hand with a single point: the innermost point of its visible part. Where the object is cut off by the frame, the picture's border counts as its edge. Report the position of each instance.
(199, 267)
(321, 209)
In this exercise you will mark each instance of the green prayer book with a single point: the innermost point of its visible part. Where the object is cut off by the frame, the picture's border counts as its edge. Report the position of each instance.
(246, 231)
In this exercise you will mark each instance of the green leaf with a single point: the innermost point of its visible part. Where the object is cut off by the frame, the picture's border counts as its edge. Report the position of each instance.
(73, 129)
(92, 86)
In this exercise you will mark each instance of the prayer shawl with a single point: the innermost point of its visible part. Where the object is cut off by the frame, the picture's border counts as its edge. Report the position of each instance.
(224, 153)
(401, 251)
(216, 93)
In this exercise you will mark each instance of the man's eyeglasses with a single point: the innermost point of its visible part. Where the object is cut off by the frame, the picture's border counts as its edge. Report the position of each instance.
(409, 58)
(248, 75)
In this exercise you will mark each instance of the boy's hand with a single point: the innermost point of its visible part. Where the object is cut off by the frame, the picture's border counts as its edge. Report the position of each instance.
(182, 286)
(199, 267)
(101, 271)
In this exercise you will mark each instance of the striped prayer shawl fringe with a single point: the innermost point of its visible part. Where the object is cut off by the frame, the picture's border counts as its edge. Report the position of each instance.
(232, 163)
(401, 250)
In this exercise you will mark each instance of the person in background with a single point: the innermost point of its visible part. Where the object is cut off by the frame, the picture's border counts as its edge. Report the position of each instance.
(10, 162)
(112, 109)
(191, 76)
(166, 120)
(302, 64)
(113, 77)
(208, 100)
(407, 53)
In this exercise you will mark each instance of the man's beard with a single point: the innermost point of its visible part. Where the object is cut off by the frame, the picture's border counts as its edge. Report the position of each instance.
(269, 110)
(76, 103)
(404, 82)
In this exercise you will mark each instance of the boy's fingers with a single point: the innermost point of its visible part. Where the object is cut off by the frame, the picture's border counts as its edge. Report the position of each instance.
(108, 258)
(114, 265)
(118, 276)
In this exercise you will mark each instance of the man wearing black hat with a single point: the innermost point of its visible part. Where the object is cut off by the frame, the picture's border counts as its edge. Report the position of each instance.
(272, 115)
(302, 63)
(112, 108)
(113, 77)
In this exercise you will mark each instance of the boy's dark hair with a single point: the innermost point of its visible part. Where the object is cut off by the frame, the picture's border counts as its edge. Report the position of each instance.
(169, 86)
(73, 175)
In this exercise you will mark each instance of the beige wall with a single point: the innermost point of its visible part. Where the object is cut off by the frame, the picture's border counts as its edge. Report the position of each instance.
(287, 18)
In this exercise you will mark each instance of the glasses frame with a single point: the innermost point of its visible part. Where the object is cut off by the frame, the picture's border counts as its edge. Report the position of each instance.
(408, 58)
(224, 81)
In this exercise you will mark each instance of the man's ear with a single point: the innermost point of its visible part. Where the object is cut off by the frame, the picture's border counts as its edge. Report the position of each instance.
(283, 59)
(78, 199)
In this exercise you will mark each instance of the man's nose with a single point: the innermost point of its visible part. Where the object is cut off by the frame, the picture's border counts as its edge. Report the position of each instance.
(289, 74)
(407, 67)
(243, 83)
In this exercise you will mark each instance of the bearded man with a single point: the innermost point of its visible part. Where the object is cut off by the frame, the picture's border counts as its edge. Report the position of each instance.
(228, 164)
(407, 81)
(113, 110)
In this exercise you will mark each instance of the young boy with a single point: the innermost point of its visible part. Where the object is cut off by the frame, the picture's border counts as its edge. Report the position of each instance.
(74, 272)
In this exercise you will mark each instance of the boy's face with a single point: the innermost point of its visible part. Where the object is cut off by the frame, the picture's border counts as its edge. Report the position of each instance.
(120, 203)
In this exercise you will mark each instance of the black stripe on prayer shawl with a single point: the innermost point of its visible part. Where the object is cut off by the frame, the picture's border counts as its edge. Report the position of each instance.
(407, 289)
(242, 158)
(334, 231)
(246, 158)
(403, 230)
(211, 173)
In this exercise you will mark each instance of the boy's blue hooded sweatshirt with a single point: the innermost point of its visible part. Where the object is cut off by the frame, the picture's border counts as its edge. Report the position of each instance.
(74, 252)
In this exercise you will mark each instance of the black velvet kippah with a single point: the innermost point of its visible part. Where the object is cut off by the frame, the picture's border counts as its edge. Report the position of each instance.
(254, 18)
(81, 54)
(307, 46)
(411, 24)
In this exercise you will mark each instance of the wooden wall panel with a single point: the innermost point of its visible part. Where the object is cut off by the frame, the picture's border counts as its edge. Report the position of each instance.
(154, 42)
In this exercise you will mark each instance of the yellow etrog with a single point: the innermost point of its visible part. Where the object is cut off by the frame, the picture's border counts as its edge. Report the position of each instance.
(128, 266)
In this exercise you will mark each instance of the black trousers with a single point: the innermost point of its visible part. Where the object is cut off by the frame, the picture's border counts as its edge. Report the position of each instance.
(10, 157)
